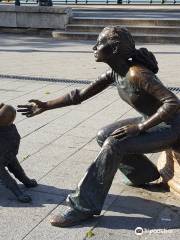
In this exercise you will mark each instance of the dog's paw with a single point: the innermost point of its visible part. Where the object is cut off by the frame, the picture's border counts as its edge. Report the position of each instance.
(30, 183)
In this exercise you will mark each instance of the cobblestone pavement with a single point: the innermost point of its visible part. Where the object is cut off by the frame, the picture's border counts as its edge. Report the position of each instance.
(58, 146)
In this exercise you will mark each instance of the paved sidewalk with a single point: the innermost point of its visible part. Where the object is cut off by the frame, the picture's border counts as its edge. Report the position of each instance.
(58, 146)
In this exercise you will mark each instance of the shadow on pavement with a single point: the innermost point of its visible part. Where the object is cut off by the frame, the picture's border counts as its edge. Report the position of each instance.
(41, 195)
(125, 212)
(132, 212)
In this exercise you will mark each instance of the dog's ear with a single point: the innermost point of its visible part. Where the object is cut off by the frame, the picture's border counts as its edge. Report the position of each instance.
(8, 115)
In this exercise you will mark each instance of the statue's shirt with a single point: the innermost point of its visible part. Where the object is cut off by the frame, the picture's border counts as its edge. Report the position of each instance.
(142, 89)
(135, 95)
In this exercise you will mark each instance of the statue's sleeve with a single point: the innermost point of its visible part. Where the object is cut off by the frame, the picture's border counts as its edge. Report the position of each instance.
(79, 95)
(169, 103)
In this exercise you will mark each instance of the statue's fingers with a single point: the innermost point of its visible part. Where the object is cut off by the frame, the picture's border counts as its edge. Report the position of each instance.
(119, 136)
(34, 101)
(23, 110)
(25, 113)
(29, 115)
(119, 131)
(115, 132)
(24, 106)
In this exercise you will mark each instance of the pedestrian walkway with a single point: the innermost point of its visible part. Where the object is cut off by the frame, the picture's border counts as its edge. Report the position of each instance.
(58, 146)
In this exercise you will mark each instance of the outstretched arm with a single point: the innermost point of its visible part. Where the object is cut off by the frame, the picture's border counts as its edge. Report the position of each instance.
(74, 97)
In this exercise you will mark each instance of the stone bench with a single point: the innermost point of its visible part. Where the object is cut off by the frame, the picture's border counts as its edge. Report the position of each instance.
(169, 168)
(169, 163)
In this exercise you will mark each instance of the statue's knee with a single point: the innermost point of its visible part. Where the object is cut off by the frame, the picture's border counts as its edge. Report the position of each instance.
(100, 137)
(115, 146)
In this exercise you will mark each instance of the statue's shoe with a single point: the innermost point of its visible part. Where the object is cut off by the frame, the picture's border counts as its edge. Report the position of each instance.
(69, 218)
(127, 182)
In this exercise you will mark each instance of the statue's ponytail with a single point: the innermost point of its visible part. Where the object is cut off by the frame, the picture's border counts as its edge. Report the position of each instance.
(146, 58)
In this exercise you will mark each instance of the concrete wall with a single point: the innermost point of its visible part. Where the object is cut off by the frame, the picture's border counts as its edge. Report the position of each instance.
(34, 17)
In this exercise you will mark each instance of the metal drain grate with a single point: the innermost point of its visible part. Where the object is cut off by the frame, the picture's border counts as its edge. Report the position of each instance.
(174, 89)
(46, 79)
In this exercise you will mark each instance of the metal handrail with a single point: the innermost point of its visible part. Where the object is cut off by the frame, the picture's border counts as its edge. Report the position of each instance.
(91, 2)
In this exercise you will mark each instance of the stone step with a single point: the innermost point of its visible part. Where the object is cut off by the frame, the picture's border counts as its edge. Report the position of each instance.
(125, 21)
(128, 8)
(132, 29)
(145, 38)
(127, 13)
(63, 35)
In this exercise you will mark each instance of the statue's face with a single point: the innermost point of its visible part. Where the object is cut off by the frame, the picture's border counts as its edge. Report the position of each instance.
(102, 49)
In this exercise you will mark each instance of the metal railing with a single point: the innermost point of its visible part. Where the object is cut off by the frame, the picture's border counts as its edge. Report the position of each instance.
(173, 2)
(118, 1)
(90, 2)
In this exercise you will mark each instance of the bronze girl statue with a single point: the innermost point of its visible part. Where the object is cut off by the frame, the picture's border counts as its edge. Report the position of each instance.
(125, 142)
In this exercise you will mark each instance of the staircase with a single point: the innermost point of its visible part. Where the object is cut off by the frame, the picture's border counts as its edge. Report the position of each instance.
(154, 26)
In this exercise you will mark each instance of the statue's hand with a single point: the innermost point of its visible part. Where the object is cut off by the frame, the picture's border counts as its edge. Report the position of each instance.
(34, 108)
(128, 130)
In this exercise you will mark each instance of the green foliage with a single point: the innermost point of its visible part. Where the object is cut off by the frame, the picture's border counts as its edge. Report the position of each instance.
(26, 157)
(90, 234)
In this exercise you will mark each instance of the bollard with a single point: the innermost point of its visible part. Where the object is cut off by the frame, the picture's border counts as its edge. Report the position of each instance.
(45, 3)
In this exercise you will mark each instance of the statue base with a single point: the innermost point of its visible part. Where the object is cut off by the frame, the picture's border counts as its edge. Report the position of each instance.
(169, 168)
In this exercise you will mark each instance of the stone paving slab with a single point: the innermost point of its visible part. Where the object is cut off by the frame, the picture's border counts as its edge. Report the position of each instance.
(132, 209)
(34, 55)
(18, 219)
(58, 146)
